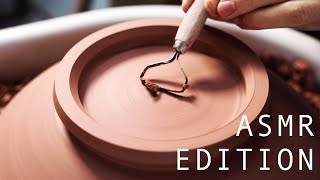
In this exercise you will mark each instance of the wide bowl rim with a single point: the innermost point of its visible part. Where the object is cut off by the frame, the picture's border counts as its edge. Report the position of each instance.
(80, 124)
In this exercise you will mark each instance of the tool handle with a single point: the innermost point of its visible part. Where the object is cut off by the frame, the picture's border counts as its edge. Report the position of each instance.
(192, 24)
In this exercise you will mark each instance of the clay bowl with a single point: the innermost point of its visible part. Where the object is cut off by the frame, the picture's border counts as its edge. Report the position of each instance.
(101, 101)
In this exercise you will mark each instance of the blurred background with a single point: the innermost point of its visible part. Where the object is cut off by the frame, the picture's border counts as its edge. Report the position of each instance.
(16, 12)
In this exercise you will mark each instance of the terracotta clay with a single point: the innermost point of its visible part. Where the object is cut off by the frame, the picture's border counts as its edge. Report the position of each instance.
(35, 144)
(116, 116)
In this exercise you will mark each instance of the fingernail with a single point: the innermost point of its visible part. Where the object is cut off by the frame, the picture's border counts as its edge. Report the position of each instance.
(226, 8)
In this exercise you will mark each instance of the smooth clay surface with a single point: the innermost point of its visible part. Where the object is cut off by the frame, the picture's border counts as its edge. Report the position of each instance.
(101, 101)
(113, 95)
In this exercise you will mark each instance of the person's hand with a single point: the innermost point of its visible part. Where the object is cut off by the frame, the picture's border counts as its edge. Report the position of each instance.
(264, 14)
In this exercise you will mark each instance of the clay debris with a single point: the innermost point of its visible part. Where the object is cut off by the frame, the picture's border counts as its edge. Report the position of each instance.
(8, 91)
(298, 73)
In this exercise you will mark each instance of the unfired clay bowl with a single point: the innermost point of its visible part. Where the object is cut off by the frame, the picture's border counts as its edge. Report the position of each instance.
(91, 118)
(100, 99)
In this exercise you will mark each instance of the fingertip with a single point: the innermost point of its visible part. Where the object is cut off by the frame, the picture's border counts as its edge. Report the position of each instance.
(185, 9)
(226, 9)
(186, 4)
(211, 7)
(183, 5)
